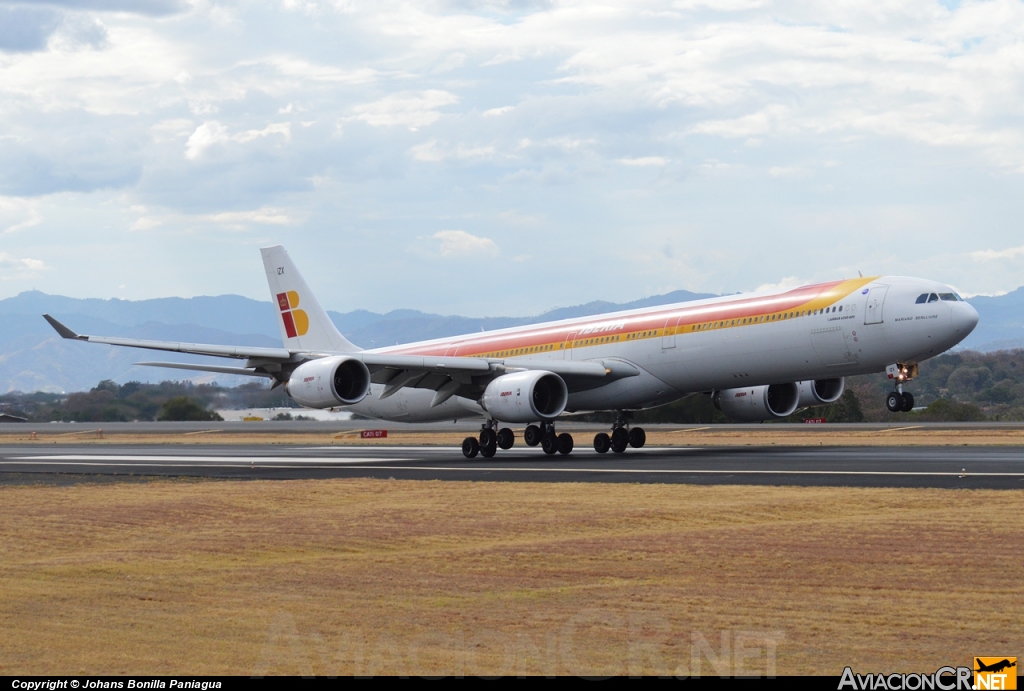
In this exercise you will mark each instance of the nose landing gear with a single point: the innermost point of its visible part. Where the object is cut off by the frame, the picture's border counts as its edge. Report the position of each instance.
(622, 436)
(900, 401)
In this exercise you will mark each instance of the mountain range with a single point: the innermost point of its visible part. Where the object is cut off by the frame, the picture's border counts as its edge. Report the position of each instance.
(34, 358)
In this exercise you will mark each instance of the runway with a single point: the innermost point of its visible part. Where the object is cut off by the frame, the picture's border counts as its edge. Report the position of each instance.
(962, 467)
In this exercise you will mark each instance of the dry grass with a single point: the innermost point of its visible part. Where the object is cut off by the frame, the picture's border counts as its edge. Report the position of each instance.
(374, 576)
(755, 435)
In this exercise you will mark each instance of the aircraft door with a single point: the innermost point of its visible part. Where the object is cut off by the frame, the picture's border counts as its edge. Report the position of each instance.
(567, 346)
(668, 335)
(874, 303)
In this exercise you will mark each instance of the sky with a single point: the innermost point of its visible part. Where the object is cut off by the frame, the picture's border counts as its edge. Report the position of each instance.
(505, 158)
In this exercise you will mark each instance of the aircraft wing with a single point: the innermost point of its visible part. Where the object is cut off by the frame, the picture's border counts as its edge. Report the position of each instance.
(448, 376)
(467, 376)
(175, 347)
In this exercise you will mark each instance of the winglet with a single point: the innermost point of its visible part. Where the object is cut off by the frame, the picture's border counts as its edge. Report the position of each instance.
(64, 331)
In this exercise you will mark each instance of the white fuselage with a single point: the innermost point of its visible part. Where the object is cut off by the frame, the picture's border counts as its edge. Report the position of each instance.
(829, 330)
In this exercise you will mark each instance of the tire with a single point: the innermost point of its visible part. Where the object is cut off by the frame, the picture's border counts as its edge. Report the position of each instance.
(565, 444)
(637, 437)
(602, 442)
(894, 402)
(488, 438)
(470, 447)
(620, 440)
(506, 438)
(549, 443)
(489, 450)
(532, 435)
(908, 402)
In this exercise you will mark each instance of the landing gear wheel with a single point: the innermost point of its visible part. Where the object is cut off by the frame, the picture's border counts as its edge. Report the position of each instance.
(602, 442)
(506, 438)
(908, 402)
(470, 447)
(488, 438)
(565, 444)
(489, 450)
(894, 402)
(620, 439)
(549, 443)
(637, 437)
(532, 435)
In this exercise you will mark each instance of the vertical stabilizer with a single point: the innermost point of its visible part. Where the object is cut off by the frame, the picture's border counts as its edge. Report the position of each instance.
(304, 323)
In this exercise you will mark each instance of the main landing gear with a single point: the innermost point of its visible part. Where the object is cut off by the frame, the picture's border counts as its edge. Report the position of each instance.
(549, 440)
(621, 437)
(490, 440)
(900, 401)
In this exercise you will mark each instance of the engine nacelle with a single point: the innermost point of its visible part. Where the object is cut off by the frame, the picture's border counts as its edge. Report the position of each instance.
(756, 403)
(525, 396)
(328, 382)
(820, 391)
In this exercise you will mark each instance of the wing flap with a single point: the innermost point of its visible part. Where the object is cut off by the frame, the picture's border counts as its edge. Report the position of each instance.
(208, 368)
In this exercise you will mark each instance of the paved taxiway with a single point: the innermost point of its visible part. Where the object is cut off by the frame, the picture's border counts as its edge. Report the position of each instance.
(941, 467)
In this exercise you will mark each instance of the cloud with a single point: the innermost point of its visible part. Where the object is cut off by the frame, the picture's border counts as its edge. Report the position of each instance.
(264, 216)
(497, 111)
(212, 133)
(17, 214)
(785, 284)
(24, 29)
(457, 243)
(409, 109)
(433, 152)
(13, 268)
(989, 255)
(644, 161)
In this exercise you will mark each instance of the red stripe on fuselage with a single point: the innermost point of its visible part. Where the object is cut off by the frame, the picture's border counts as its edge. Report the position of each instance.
(682, 315)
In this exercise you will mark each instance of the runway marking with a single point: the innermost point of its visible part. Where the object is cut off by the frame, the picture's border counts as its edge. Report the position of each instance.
(186, 460)
(896, 429)
(679, 471)
(271, 463)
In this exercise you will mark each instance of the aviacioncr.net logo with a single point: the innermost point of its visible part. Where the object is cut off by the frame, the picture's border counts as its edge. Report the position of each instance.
(296, 321)
(943, 679)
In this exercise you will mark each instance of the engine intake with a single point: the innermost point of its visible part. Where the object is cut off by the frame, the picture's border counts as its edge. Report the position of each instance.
(328, 382)
(820, 391)
(525, 396)
(758, 403)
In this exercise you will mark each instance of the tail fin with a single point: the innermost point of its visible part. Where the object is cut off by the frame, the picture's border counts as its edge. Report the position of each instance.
(304, 323)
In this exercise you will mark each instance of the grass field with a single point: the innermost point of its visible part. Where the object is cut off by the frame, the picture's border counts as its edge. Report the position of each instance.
(378, 576)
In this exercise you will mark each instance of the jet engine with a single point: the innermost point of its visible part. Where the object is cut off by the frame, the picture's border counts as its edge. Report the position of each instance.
(757, 403)
(820, 391)
(330, 381)
(525, 396)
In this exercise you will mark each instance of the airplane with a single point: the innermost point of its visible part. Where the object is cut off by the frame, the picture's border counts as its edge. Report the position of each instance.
(760, 356)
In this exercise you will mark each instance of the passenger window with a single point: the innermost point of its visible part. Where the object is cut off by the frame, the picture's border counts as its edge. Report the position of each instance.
(948, 297)
(840, 308)
(933, 297)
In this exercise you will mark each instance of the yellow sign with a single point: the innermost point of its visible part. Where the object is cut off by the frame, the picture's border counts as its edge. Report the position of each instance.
(995, 673)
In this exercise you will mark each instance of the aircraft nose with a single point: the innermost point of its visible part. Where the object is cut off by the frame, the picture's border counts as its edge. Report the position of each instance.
(965, 318)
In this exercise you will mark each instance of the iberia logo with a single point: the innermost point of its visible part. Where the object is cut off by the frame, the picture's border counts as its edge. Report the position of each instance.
(296, 322)
(995, 673)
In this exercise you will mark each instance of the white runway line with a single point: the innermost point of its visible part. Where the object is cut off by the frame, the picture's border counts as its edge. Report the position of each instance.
(78, 459)
(278, 463)
(642, 471)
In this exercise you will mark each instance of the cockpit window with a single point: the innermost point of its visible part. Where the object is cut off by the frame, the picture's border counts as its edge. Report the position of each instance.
(959, 299)
(948, 296)
(922, 298)
(932, 297)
